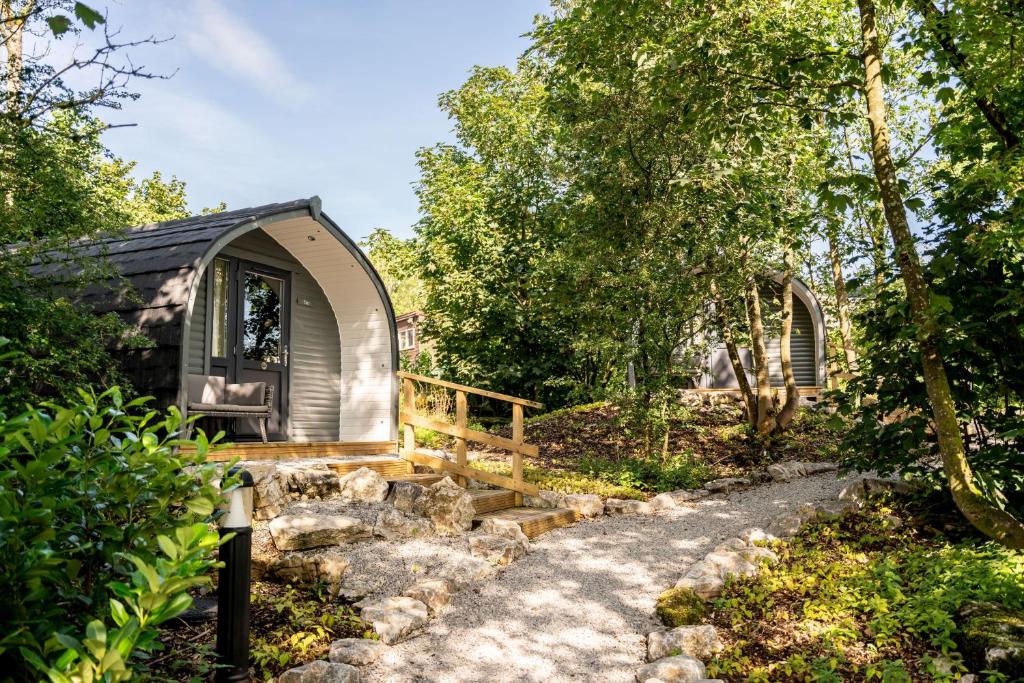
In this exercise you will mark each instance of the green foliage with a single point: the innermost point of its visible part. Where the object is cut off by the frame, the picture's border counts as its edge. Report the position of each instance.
(863, 596)
(395, 261)
(103, 529)
(565, 481)
(680, 607)
(294, 627)
(651, 473)
(982, 338)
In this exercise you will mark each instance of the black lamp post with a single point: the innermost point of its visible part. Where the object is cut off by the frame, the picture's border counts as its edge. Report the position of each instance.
(233, 587)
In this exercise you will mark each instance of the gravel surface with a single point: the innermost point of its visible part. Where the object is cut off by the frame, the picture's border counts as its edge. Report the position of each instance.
(579, 606)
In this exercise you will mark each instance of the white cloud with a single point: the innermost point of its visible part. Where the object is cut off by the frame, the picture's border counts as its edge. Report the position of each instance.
(228, 43)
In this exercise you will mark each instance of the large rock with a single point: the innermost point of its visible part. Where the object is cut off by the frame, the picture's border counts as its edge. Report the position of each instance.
(310, 480)
(620, 506)
(678, 669)
(860, 489)
(730, 563)
(545, 500)
(466, 571)
(819, 467)
(434, 593)
(394, 618)
(727, 484)
(673, 499)
(363, 486)
(301, 532)
(310, 568)
(703, 579)
(448, 506)
(498, 550)
(756, 535)
(270, 489)
(991, 637)
(356, 651)
(700, 642)
(786, 471)
(392, 524)
(321, 672)
(507, 528)
(585, 504)
(404, 495)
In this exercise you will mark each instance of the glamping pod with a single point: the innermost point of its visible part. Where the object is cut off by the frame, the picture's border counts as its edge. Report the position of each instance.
(272, 296)
(807, 345)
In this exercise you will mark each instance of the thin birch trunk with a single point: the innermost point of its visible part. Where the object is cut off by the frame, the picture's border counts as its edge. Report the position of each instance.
(725, 328)
(765, 405)
(789, 408)
(842, 302)
(987, 518)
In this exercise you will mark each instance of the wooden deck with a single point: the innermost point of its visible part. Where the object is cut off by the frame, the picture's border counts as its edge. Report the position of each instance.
(282, 450)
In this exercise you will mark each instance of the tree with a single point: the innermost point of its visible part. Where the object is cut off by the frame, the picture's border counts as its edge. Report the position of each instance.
(395, 261)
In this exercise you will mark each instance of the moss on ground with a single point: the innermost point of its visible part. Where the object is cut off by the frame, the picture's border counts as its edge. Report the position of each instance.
(988, 628)
(680, 607)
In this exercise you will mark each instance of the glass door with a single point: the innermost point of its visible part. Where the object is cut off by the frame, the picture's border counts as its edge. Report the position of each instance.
(262, 331)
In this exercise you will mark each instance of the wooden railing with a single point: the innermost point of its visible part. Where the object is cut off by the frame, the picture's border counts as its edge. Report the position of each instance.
(463, 434)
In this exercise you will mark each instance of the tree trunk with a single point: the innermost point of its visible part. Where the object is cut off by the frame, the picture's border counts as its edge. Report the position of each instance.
(987, 518)
(765, 405)
(842, 302)
(725, 328)
(789, 408)
(12, 32)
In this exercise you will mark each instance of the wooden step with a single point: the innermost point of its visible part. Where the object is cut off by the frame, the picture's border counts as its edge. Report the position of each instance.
(491, 500)
(385, 466)
(421, 478)
(533, 521)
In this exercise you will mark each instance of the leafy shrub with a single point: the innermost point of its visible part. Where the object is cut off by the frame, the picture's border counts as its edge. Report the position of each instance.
(650, 474)
(103, 529)
(869, 600)
(562, 481)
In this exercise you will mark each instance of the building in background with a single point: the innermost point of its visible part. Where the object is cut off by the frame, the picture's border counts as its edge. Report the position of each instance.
(408, 325)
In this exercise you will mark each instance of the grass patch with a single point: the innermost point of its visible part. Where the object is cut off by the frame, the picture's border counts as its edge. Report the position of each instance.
(859, 600)
(562, 481)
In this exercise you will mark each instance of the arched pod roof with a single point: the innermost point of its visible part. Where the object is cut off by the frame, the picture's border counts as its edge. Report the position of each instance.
(164, 262)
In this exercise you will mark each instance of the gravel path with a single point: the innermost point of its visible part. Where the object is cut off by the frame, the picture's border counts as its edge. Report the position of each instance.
(579, 606)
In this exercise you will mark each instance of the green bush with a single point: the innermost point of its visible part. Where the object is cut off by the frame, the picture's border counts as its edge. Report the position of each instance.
(650, 474)
(103, 529)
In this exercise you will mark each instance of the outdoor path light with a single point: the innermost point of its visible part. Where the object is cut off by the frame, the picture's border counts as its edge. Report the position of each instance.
(233, 586)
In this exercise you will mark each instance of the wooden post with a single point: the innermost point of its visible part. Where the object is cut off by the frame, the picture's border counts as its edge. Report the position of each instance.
(517, 454)
(461, 420)
(409, 398)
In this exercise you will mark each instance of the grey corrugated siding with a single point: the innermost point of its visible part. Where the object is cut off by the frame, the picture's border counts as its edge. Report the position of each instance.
(197, 332)
(801, 349)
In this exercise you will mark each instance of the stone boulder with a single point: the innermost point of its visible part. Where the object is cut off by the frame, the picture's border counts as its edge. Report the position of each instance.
(356, 651)
(545, 500)
(673, 499)
(704, 579)
(756, 535)
(678, 669)
(321, 672)
(394, 618)
(434, 593)
(991, 638)
(363, 486)
(727, 484)
(448, 506)
(585, 504)
(392, 524)
(404, 495)
(508, 529)
(620, 506)
(700, 642)
(819, 467)
(270, 489)
(730, 563)
(310, 568)
(302, 532)
(786, 471)
(307, 481)
(466, 571)
(498, 550)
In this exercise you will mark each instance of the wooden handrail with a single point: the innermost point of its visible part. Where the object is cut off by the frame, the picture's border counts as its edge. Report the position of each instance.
(469, 390)
(462, 433)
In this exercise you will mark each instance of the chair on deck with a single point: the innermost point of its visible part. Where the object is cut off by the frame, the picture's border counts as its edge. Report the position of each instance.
(211, 396)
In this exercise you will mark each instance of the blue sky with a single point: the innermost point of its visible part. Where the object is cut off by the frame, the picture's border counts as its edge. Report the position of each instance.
(271, 101)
